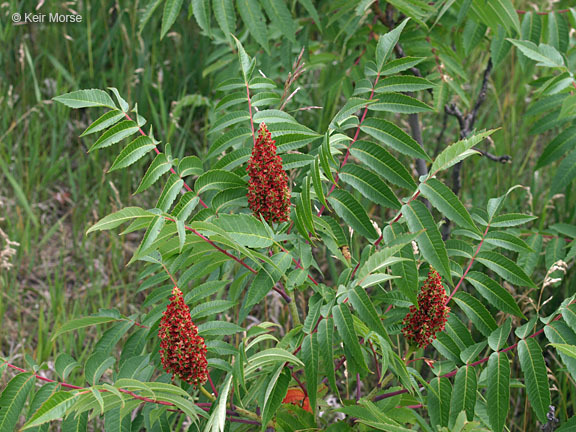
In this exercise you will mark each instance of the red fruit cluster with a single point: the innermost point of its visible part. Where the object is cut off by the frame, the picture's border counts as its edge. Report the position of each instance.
(423, 323)
(268, 193)
(182, 351)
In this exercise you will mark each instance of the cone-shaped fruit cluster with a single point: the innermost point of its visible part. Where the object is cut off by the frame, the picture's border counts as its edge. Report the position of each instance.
(182, 351)
(423, 323)
(268, 193)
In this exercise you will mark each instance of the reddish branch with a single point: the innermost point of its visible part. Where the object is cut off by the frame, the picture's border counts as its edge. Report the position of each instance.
(203, 406)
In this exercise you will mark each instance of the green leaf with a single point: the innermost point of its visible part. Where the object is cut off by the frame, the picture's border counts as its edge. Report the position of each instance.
(13, 399)
(497, 339)
(403, 83)
(400, 103)
(399, 65)
(65, 364)
(499, 47)
(190, 165)
(53, 409)
(496, 295)
(505, 268)
(217, 179)
(217, 421)
(281, 18)
(115, 134)
(317, 182)
(310, 355)
(557, 147)
(480, 317)
(386, 44)
(326, 341)
(78, 323)
(350, 107)
(104, 122)
(349, 209)
(309, 6)
(498, 394)
(568, 350)
(225, 16)
(133, 152)
(275, 393)
(171, 11)
(345, 325)
(430, 241)
(229, 119)
(569, 315)
(534, 369)
(565, 174)
(201, 11)
(86, 99)
(494, 12)
(545, 55)
(366, 310)
(407, 270)
(369, 185)
(442, 197)
(394, 137)
(96, 365)
(439, 394)
(272, 356)
(252, 15)
(457, 152)
(464, 394)
(246, 230)
(507, 241)
(218, 328)
(160, 165)
(382, 162)
(558, 332)
(510, 220)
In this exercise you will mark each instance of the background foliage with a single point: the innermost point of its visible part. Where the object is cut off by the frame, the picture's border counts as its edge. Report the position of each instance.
(322, 312)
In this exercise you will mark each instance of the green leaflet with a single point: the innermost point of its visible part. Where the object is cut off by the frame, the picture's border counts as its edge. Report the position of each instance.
(382, 162)
(386, 43)
(535, 374)
(442, 197)
(439, 394)
(252, 15)
(160, 165)
(349, 209)
(171, 11)
(275, 393)
(133, 152)
(400, 103)
(13, 399)
(505, 268)
(246, 230)
(115, 134)
(476, 311)
(498, 394)
(225, 16)
(310, 355)
(456, 152)
(54, 408)
(83, 322)
(86, 99)
(464, 394)
(492, 291)
(430, 241)
(394, 137)
(345, 325)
